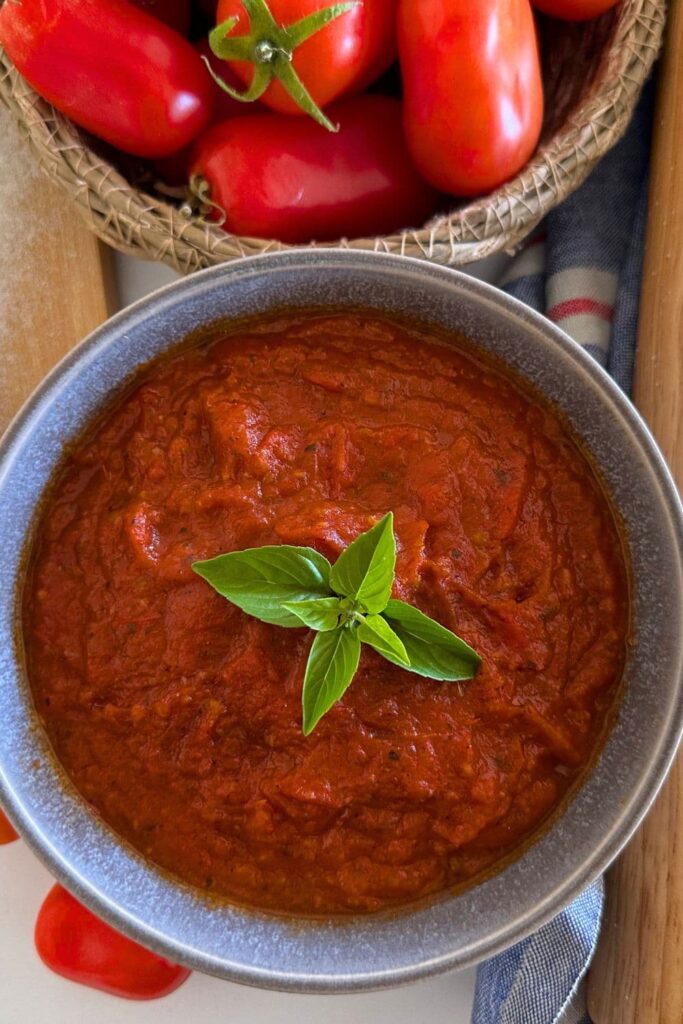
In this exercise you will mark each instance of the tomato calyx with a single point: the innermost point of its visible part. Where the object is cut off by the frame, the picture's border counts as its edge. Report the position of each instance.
(270, 48)
(199, 202)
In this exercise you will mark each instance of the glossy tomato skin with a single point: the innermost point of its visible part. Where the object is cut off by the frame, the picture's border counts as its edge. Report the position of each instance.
(72, 942)
(113, 69)
(473, 96)
(343, 57)
(7, 833)
(574, 10)
(287, 178)
(174, 13)
(175, 169)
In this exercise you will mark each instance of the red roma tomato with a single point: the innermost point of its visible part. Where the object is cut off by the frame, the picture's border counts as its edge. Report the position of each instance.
(344, 56)
(276, 177)
(175, 169)
(574, 10)
(7, 833)
(473, 97)
(174, 13)
(74, 943)
(113, 69)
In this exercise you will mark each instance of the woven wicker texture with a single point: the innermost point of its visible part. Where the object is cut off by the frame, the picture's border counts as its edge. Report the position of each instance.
(593, 75)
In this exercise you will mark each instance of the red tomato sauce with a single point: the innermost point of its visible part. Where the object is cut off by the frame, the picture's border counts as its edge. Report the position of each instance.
(179, 718)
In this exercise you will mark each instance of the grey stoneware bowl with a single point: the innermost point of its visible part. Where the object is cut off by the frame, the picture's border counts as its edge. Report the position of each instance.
(454, 930)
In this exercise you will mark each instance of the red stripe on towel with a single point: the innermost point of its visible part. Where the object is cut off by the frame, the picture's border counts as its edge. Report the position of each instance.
(575, 307)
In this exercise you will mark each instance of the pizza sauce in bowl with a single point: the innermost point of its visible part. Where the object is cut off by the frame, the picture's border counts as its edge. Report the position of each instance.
(178, 717)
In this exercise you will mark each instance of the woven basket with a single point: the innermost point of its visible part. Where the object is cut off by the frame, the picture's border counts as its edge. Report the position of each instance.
(593, 74)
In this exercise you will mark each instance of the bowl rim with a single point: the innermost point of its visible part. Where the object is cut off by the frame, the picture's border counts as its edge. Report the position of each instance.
(641, 799)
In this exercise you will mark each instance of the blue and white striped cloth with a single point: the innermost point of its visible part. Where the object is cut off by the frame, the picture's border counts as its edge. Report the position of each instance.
(582, 269)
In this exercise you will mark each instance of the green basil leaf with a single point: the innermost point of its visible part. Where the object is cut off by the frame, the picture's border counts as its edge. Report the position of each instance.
(376, 631)
(433, 650)
(261, 580)
(331, 666)
(321, 614)
(365, 570)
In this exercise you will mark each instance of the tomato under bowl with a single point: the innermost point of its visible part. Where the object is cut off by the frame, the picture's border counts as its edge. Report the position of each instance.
(358, 951)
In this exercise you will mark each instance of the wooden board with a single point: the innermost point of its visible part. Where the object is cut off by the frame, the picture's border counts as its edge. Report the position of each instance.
(637, 974)
(56, 279)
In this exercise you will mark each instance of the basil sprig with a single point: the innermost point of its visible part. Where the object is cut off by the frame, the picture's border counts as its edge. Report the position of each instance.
(263, 581)
(347, 604)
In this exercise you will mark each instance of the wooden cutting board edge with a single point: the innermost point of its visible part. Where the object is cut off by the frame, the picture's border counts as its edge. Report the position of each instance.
(59, 279)
(637, 973)
(78, 307)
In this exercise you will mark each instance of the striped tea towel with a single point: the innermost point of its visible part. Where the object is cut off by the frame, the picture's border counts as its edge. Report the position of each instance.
(582, 269)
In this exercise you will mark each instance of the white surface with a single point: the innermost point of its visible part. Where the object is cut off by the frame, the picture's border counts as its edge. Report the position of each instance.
(30, 994)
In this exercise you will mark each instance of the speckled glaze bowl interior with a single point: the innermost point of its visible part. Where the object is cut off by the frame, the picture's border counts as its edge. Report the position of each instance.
(455, 930)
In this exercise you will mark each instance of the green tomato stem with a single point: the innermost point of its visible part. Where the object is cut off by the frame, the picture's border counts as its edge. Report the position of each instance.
(270, 48)
(199, 199)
